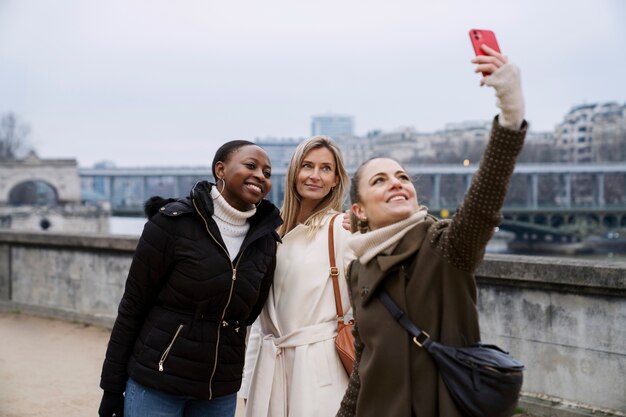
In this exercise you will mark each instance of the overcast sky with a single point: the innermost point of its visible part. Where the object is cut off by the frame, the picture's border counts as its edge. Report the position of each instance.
(156, 82)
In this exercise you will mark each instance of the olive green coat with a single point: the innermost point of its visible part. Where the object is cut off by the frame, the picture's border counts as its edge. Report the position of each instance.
(430, 275)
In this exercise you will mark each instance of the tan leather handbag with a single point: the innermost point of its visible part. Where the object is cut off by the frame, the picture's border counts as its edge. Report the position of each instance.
(344, 342)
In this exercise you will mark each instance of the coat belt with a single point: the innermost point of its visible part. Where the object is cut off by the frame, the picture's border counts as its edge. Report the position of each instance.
(270, 362)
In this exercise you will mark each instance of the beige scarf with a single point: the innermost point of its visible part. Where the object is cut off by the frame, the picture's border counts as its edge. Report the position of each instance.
(367, 245)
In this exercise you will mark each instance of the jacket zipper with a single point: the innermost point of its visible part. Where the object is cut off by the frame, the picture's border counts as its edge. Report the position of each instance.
(169, 347)
(230, 293)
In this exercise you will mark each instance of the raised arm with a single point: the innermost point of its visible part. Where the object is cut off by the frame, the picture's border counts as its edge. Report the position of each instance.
(472, 226)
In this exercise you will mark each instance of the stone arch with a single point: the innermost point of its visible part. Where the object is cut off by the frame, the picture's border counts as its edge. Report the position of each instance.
(61, 174)
(33, 193)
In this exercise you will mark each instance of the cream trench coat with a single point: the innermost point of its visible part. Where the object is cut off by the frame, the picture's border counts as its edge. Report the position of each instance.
(292, 368)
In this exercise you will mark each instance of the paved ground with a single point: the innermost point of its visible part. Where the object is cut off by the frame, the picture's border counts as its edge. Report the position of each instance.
(50, 368)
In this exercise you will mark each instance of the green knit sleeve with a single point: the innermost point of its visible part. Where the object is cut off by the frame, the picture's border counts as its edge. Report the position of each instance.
(464, 238)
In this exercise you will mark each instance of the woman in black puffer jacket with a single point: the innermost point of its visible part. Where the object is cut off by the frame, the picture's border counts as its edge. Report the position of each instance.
(201, 273)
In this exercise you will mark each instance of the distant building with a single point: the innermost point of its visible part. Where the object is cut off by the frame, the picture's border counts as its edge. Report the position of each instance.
(333, 125)
(279, 149)
(458, 142)
(355, 150)
(592, 133)
(399, 144)
(538, 148)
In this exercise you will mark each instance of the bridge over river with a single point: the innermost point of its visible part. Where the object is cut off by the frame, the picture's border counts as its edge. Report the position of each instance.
(566, 186)
(548, 206)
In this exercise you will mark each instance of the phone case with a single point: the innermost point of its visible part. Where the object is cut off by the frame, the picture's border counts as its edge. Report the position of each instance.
(481, 36)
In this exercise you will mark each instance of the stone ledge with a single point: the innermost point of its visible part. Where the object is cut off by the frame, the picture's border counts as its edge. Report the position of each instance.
(84, 241)
(561, 274)
(542, 405)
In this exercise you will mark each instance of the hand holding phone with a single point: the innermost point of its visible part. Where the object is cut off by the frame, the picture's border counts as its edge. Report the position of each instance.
(480, 37)
(488, 56)
(500, 75)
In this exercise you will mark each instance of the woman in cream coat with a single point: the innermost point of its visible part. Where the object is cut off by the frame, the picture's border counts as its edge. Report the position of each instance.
(292, 368)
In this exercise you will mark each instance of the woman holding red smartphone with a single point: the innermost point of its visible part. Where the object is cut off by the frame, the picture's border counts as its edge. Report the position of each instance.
(425, 264)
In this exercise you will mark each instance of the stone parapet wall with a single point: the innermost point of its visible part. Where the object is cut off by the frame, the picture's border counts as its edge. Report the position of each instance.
(563, 318)
(76, 276)
(68, 218)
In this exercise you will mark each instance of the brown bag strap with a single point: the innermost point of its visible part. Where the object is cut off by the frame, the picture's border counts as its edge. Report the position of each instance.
(334, 272)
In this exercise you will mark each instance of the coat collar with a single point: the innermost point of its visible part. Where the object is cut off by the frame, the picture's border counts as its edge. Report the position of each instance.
(265, 220)
(372, 275)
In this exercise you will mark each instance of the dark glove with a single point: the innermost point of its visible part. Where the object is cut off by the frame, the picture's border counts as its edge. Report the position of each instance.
(112, 404)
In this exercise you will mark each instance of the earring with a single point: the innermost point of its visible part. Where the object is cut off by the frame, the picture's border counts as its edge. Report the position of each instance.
(258, 204)
(362, 225)
(223, 185)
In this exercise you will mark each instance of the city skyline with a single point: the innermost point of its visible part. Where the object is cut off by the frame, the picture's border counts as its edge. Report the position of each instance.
(145, 83)
(406, 144)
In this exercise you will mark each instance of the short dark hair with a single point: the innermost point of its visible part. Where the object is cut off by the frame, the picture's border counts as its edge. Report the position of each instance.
(224, 152)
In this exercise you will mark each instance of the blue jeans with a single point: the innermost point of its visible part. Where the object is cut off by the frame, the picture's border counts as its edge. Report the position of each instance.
(140, 401)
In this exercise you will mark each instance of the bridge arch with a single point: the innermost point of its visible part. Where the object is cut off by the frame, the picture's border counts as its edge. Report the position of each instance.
(60, 174)
(33, 193)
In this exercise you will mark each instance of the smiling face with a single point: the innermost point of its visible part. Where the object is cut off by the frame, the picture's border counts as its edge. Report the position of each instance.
(316, 175)
(246, 174)
(386, 193)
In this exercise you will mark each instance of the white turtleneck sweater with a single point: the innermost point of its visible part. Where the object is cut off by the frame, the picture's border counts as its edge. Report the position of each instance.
(233, 224)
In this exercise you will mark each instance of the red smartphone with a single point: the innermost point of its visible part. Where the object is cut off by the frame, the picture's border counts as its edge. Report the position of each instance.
(480, 37)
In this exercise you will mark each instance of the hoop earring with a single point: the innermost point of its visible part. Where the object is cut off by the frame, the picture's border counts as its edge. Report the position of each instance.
(223, 186)
(258, 204)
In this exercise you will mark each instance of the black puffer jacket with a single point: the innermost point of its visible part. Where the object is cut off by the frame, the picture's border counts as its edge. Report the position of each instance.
(181, 323)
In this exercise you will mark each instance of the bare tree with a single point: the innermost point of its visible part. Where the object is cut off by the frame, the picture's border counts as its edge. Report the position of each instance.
(13, 135)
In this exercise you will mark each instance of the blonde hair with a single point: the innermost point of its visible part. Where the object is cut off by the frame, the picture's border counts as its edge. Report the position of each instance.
(333, 200)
